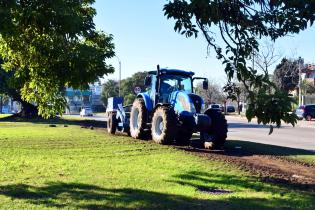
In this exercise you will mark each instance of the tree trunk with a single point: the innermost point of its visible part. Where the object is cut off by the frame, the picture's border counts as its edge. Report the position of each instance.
(28, 110)
(1, 104)
(238, 107)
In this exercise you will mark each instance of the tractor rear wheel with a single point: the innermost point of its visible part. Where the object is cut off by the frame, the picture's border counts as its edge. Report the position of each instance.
(138, 117)
(163, 128)
(112, 123)
(217, 132)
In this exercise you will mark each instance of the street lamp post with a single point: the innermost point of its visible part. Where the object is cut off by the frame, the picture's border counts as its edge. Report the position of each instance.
(300, 91)
(119, 79)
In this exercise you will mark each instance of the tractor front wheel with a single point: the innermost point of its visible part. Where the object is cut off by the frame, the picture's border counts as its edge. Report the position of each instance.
(138, 117)
(163, 128)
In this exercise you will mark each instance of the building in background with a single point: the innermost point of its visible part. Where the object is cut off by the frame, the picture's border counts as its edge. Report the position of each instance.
(8, 106)
(96, 99)
(308, 73)
(77, 99)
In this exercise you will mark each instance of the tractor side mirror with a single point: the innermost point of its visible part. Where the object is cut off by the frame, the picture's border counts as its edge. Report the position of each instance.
(147, 81)
(205, 85)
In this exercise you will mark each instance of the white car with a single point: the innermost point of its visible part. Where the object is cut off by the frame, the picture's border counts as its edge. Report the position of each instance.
(217, 107)
(86, 111)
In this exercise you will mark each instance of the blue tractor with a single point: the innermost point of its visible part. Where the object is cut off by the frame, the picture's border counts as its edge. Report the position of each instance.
(170, 112)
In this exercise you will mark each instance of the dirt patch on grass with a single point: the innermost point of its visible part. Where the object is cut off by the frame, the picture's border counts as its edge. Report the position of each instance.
(268, 168)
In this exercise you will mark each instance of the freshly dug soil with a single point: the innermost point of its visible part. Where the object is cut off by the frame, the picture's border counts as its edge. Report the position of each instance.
(269, 168)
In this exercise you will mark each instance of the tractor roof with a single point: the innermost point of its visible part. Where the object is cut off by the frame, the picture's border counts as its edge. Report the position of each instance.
(174, 71)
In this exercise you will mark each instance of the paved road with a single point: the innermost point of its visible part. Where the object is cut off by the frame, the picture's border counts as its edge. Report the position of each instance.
(95, 117)
(301, 136)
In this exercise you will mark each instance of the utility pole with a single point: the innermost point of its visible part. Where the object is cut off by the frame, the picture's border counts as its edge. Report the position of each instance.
(300, 91)
(119, 79)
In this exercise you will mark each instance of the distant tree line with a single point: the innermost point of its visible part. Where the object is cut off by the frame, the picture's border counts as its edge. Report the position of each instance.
(111, 87)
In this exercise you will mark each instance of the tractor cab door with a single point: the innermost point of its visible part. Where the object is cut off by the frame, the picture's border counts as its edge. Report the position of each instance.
(151, 87)
(167, 86)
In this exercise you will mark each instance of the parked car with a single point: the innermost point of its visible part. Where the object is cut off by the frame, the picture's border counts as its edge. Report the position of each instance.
(86, 111)
(230, 109)
(306, 112)
(215, 107)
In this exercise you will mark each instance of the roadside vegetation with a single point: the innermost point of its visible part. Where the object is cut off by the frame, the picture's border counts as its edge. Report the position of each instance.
(45, 167)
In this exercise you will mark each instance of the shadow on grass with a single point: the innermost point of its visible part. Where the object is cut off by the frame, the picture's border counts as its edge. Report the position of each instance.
(243, 148)
(76, 195)
(201, 180)
(240, 148)
(57, 120)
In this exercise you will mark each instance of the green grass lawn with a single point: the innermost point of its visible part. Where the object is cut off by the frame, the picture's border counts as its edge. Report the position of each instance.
(46, 167)
(5, 115)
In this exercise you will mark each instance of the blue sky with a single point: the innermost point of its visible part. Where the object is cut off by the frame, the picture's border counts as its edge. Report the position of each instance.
(143, 38)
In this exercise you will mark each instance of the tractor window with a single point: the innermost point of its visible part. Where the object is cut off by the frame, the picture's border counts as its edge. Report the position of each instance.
(170, 83)
(186, 85)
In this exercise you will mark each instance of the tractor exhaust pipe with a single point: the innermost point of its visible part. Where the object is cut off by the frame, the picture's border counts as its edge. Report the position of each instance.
(157, 84)
(158, 70)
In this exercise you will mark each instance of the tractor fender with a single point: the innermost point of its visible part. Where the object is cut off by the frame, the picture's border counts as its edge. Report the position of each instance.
(147, 101)
(162, 104)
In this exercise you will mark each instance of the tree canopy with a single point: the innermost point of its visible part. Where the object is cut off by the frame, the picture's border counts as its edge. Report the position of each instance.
(109, 89)
(286, 74)
(240, 25)
(307, 87)
(50, 45)
(128, 85)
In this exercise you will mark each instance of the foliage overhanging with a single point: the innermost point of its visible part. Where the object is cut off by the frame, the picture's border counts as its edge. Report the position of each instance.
(51, 45)
(240, 24)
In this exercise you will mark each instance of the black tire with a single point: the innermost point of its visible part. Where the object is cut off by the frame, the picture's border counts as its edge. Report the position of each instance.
(218, 129)
(183, 137)
(308, 117)
(163, 128)
(112, 123)
(138, 118)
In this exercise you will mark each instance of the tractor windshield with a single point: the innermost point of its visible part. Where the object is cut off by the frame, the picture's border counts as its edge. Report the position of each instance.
(170, 83)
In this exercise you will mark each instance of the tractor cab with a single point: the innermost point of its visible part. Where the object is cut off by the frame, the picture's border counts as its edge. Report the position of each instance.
(164, 82)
